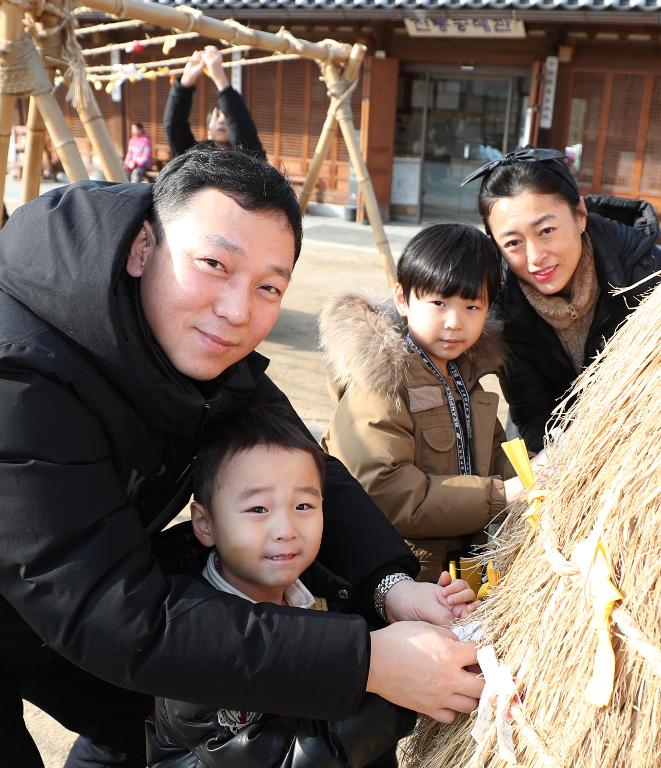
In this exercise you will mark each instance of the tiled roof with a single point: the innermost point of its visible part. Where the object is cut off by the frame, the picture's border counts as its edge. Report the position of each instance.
(426, 5)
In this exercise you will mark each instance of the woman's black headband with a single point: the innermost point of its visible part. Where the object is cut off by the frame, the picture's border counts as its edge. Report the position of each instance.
(552, 158)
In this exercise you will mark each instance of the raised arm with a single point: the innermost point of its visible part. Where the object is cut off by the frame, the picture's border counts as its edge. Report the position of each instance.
(242, 129)
(176, 118)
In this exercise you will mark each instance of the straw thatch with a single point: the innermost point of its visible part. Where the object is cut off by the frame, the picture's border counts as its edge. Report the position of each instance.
(602, 485)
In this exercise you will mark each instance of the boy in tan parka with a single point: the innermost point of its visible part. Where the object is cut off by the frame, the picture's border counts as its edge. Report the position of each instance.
(432, 463)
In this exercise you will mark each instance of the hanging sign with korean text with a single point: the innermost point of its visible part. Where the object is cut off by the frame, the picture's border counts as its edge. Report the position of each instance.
(466, 26)
(548, 95)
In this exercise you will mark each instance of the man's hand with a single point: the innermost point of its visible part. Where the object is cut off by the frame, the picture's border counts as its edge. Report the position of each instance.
(193, 69)
(213, 60)
(422, 667)
(438, 604)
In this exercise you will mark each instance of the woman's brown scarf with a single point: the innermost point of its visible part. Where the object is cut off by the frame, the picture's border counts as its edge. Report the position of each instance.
(570, 316)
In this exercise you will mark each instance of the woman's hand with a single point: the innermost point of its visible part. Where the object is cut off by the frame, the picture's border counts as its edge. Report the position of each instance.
(213, 60)
(193, 69)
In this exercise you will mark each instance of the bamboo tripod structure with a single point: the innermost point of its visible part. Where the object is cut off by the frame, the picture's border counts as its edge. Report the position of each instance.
(44, 113)
(340, 66)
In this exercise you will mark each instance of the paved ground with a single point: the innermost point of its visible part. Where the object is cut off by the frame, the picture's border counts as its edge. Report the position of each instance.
(337, 255)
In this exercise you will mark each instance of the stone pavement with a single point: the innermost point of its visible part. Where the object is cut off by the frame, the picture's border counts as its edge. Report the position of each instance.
(337, 256)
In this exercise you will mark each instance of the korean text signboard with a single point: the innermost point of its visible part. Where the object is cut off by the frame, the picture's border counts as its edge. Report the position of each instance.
(465, 27)
(548, 96)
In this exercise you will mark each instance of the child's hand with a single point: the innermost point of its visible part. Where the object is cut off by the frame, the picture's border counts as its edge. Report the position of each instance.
(460, 598)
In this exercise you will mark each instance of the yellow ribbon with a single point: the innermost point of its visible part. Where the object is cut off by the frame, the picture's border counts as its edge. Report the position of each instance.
(493, 577)
(591, 557)
(517, 453)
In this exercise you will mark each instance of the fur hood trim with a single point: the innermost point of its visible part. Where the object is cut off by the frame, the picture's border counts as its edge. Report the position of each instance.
(362, 339)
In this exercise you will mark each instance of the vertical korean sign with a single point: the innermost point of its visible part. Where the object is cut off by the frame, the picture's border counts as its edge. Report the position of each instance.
(548, 96)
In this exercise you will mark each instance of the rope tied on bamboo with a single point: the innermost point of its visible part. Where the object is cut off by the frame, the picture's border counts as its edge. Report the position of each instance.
(193, 15)
(58, 41)
(21, 72)
(293, 42)
(335, 91)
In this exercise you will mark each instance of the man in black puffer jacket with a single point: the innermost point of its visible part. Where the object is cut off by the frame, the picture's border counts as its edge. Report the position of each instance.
(128, 319)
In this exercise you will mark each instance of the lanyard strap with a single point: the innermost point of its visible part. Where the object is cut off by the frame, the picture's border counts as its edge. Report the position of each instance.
(463, 444)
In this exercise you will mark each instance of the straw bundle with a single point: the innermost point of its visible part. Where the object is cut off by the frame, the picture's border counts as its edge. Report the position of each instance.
(549, 619)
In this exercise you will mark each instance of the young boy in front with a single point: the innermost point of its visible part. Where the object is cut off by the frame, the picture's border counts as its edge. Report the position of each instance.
(258, 505)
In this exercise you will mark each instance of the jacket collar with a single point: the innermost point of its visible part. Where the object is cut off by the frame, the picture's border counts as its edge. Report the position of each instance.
(362, 339)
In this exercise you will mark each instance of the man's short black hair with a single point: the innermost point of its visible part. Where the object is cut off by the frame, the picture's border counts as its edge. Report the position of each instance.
(251, 427)
(450, 260)
(248, 179)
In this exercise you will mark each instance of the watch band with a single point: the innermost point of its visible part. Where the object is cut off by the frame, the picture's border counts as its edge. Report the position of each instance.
(382, 589)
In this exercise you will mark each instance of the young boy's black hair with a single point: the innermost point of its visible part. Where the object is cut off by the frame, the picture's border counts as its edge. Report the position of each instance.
(450, 260)
(249, 428)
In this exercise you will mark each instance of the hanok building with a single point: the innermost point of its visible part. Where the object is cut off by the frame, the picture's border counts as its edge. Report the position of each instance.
(447, 85)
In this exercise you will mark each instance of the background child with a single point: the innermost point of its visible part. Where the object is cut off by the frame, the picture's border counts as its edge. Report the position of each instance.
(139, 153)
(258, 503)
(412, 422)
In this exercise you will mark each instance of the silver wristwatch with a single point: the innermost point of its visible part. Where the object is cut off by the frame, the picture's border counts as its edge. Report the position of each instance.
(382, 589)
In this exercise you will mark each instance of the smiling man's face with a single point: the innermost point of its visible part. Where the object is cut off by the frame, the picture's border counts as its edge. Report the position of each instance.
(211, 290)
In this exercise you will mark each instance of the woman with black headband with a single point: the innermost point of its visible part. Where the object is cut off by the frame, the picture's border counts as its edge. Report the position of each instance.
(565, 254)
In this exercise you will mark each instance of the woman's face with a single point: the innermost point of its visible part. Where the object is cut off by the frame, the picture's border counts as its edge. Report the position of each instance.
(540, 238)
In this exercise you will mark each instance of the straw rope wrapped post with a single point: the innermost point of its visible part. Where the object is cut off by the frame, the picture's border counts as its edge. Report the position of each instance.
(329, 129)
(36, 135)
(11, 30)
(55, 35)
(23, 73)
(575, 622)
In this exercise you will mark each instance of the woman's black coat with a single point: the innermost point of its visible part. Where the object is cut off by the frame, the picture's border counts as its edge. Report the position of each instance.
(538, 372)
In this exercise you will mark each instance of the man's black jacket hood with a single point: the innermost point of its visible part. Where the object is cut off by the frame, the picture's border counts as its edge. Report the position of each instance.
(96, 430)
(80, 286)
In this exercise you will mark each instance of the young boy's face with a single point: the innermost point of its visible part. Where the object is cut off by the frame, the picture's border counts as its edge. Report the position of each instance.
(443, 326)
(265, 520)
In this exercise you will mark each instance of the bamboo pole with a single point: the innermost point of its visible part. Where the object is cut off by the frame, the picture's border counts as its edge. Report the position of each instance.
(11, 28)
(34, 150)
(97, 133)
(63, 141)
(190, 21)
(89, 113)
(345, 121)
(329, 130)
(6, 118)
(36, 128)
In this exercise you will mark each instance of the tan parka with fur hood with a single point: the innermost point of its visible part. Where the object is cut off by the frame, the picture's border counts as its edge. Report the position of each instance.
(393, 430)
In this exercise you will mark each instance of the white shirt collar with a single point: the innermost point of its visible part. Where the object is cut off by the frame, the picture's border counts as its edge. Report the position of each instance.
(296, 595)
